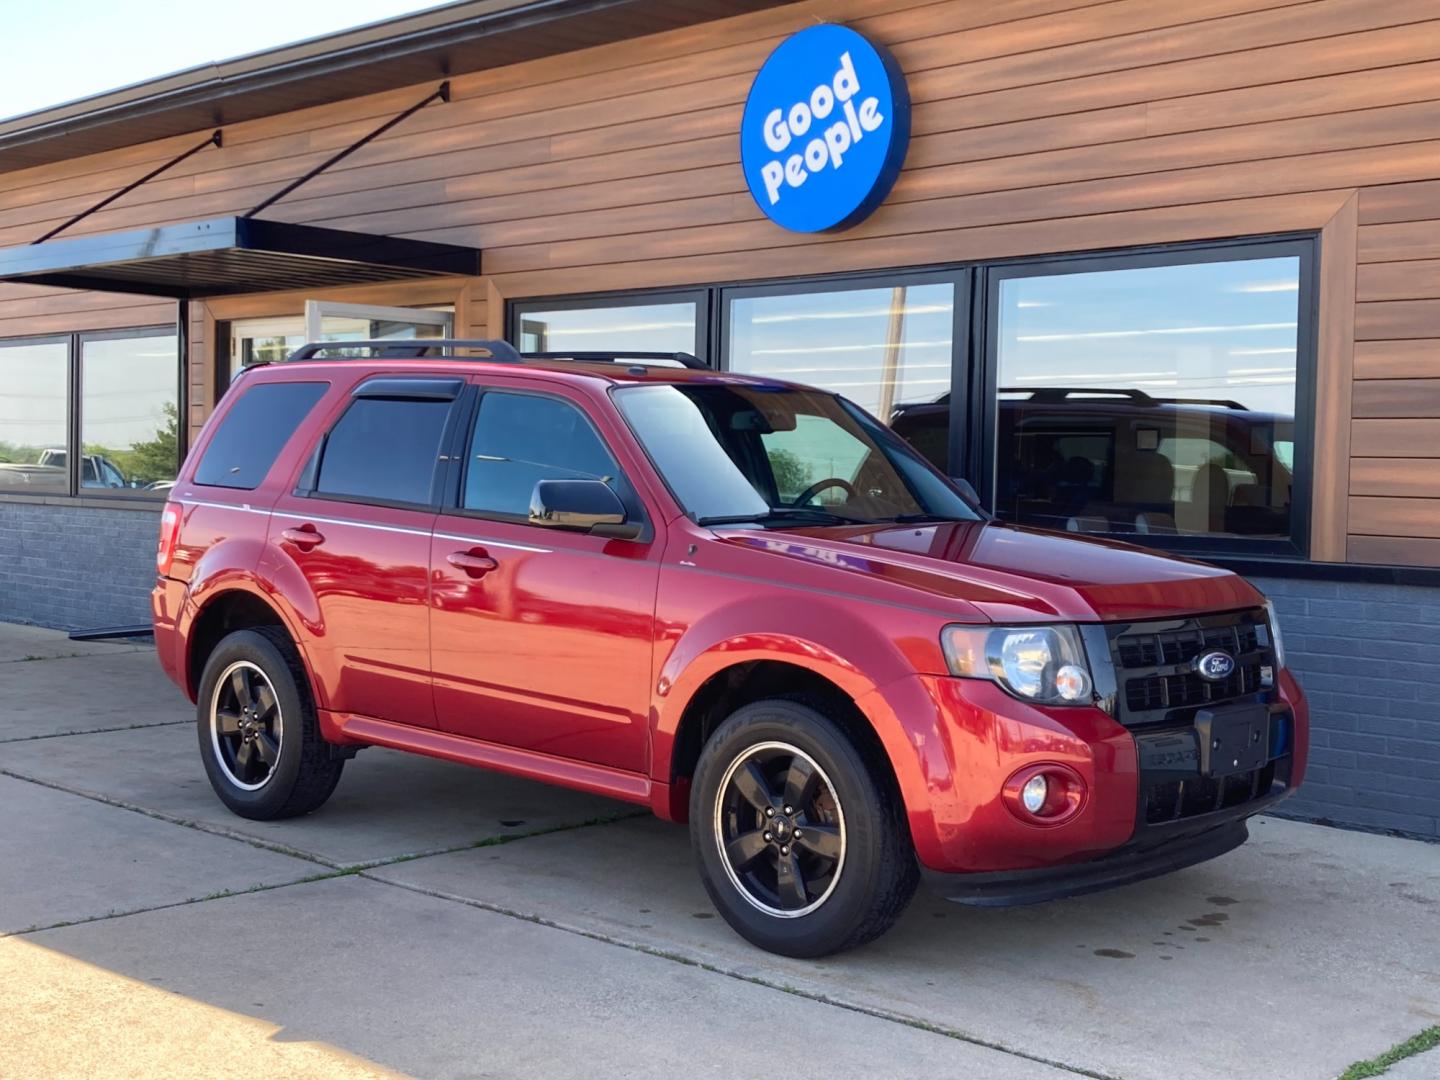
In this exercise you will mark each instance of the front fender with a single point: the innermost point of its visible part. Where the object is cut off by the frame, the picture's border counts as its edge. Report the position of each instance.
(847, 647)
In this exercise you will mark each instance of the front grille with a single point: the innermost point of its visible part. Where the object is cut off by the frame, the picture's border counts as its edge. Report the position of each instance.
(1174, 800)
(1155, 676)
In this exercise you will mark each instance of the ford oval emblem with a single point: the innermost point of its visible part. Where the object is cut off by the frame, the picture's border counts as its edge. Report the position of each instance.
(1215, 666)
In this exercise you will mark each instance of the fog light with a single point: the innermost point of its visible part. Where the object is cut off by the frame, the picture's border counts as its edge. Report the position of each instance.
(1072, 683)
(1044, 794)
(1032, 795)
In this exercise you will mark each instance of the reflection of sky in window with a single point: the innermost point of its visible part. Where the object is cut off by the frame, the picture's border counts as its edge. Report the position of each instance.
(33, 380)
(643, 327)
(879, 347)
(1222, 330)
(127, 383)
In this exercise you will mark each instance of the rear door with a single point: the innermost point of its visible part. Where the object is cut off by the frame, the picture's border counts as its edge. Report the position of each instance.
(357, 525)
(542, 636)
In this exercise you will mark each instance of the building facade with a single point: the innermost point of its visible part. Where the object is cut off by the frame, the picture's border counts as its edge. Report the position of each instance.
(1169, 273)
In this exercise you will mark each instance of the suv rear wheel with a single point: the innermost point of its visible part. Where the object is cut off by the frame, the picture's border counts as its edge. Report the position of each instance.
(259, 736)
(802, 850)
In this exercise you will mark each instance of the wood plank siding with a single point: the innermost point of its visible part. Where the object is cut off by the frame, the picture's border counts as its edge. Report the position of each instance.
(1040, 126)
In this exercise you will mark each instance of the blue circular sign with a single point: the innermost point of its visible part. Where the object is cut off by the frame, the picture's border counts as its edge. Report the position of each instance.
(825, 130)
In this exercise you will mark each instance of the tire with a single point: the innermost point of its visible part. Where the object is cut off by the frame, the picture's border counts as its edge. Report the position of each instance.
(271, 762)
(842, 884)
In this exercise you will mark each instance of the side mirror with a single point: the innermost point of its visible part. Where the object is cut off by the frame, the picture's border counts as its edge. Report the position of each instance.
(587, 505)
(966, 489)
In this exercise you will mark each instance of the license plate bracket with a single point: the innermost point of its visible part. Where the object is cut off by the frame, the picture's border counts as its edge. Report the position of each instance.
(1233, 740)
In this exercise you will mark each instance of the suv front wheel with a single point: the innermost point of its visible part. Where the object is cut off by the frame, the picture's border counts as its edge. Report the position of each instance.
(803, 851)
(259, 736)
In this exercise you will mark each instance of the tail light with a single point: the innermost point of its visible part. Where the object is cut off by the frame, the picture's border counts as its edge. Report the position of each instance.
(169, 538)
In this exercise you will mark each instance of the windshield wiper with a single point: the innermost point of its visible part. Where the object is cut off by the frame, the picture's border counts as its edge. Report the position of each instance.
(784, 513)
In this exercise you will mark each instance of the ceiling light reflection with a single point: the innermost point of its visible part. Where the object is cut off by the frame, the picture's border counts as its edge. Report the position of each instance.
(1090, 335)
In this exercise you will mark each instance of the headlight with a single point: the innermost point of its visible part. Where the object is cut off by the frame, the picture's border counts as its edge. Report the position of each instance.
(1276, 642)
(1045, 664)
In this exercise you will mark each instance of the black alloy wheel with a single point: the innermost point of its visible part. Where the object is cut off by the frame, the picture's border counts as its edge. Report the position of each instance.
(259, 733)
(247, 726)
(799, 834)
(782, 829)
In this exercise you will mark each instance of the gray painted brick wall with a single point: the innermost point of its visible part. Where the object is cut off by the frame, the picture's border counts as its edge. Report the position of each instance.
(1365, 654)
(76, 567)
(1368, 657)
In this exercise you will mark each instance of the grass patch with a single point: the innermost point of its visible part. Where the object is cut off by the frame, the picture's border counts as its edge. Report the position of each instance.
(1416, 1044)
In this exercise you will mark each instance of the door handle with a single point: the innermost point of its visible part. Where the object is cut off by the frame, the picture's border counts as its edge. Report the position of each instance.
(475, 562)
(305, 537)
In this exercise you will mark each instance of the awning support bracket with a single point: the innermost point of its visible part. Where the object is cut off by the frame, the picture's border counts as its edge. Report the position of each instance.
(213, 140)
(440, 94)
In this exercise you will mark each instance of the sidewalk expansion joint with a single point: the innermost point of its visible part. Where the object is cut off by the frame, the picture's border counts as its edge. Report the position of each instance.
(296, 853)
(94, 731)
(332, 869)
(172, 819)
(221, 895)
(36, 658)
(717, 969)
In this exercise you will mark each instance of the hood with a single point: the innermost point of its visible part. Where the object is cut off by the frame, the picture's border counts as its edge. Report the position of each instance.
(1015, 574)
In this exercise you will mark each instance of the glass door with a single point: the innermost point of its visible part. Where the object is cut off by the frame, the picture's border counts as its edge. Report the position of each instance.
(326, 320)
(256, 341)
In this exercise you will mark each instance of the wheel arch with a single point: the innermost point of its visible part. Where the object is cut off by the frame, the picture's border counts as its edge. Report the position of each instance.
(741, 683)
(225, 609)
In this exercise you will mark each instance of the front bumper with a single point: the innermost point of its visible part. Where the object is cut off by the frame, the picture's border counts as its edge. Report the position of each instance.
(964, 738)
(1161, 851)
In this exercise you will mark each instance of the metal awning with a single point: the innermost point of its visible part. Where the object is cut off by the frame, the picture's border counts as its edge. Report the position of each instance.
(228, 255)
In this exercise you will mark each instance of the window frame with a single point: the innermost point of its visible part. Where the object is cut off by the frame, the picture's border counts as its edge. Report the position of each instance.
(974, 367)
(464, 441)
(74, 402)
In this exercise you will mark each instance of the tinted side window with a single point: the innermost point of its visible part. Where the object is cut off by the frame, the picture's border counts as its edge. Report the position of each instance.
(520, 440)
(384, 450)
(254, 432)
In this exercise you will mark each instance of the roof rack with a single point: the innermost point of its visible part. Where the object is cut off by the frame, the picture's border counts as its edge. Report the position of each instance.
(684, 359)
(1223, 403)
(1051, 394)
(485, 351)
(410, 349)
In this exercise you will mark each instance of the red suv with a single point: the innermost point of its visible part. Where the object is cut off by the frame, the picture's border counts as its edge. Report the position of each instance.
(733, 600)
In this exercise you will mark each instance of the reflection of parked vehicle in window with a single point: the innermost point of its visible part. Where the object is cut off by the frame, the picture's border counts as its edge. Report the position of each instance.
(96, 470)
(731, 599)
(17, 474)
(1121, 461)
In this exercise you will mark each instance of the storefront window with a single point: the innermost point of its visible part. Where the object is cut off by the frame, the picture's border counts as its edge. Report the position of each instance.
(1149, 400)
(34, 418)
(129, 414)
(649, 327)
(888, 349)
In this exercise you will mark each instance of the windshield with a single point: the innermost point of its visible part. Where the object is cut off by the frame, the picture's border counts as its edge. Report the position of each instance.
(763, 454)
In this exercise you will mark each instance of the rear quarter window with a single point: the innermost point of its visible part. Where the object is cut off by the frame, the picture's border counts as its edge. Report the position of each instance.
(253, 432)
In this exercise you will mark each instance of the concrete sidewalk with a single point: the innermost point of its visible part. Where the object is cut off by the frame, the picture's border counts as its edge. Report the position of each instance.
(437, 921)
